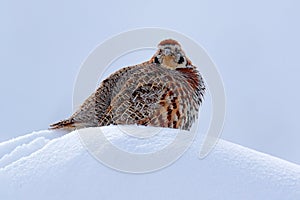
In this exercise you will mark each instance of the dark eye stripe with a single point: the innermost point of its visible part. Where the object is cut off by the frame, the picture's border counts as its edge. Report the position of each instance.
(181, 60)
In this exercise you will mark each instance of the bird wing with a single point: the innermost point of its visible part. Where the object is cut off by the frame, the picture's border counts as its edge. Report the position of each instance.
(97, 104)
(135, 99)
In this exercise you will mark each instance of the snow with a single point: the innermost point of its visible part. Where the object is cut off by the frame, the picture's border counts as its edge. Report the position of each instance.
(8, 146)
(54, 165)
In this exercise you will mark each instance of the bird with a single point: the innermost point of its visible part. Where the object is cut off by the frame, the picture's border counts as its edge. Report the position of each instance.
(165, 91)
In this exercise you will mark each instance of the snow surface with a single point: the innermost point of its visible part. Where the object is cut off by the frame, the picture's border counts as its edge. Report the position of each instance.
(54, 165)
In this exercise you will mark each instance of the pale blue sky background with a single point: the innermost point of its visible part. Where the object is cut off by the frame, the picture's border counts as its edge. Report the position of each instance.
(255, 45)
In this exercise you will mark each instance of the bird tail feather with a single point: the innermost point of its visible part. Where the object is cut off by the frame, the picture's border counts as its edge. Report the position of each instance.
(68, 124)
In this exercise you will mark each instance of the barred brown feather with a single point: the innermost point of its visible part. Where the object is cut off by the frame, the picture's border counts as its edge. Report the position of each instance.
(163, 92)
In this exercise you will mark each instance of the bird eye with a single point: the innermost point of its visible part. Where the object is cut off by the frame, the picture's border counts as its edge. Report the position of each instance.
(156, 60)
(181, 60)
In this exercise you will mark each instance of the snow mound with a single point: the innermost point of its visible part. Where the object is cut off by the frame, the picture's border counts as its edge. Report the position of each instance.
(10, 145)
(54, 165)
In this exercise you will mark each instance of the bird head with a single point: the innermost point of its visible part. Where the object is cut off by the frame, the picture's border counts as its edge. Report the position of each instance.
(170, 55)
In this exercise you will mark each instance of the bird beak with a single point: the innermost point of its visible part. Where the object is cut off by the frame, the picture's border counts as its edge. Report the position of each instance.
(167, 52)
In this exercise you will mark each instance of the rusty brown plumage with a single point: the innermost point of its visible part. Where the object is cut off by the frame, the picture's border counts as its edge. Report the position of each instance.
(164, 92)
